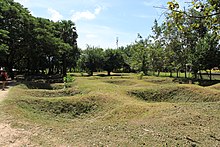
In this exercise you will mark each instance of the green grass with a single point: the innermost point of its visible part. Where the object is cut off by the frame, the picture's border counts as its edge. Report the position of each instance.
(117, 111)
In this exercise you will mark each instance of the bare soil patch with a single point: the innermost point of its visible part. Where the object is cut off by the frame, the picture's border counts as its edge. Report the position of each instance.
(10, 136)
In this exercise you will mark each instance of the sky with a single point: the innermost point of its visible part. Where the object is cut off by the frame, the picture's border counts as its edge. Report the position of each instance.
(100, 22)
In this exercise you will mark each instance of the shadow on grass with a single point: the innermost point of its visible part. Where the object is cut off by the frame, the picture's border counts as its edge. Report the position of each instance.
(39, 81)
(208, 82)
(196, 81)
(37, 85)
(112, 75)
(102, 75)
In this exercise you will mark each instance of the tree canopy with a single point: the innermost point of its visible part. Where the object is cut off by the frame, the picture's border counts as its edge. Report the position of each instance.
(33, 44)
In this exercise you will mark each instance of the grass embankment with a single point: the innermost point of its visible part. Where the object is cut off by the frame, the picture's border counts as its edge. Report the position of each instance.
(178, 93)
(117, 111)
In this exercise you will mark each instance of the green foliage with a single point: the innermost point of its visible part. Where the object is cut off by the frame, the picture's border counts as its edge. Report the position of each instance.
(35, 44)
(206, 12)
(68, 78)
(183, 39)
(139, 55)
(113, 60)
(91, 60)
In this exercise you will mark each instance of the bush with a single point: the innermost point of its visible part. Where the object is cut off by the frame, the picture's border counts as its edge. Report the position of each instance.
(68, 79)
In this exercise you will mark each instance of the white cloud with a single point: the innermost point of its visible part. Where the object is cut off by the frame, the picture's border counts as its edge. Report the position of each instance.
(98, 10)
(55, 15)
(22, 1)
(25, 3)
(86, 15)
(83, 15)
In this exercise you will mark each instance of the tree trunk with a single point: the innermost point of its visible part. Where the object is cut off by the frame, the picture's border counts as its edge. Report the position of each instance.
(11, 73)
(210, 74)
(171, 73)
(195, 74)
(109, 73)
(64, 64)
(50, 72)
(143, 68)
(57, 70)
(158, 73)
(200, 73)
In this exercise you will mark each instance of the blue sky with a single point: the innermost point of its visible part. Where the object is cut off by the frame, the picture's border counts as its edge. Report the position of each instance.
(100, 22)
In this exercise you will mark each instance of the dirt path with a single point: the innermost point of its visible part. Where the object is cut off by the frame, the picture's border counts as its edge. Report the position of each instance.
(3, 94)
(11, 137)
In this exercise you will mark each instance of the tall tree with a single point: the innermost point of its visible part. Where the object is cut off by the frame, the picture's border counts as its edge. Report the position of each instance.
(140, 55)
(67, 32)
(201, 19)
(113, 60)
(156, 49)
(92, 59)
(15, 26)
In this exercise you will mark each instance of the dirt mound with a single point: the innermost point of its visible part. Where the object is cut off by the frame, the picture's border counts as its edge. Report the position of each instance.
(216, 86)
(53, 93)
(43, 85)
(177, 93)
(60, 108)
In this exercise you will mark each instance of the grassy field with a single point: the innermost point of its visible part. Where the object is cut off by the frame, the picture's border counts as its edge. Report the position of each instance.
(116, 111)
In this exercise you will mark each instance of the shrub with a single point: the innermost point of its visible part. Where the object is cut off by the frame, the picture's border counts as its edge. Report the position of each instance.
(68, 79)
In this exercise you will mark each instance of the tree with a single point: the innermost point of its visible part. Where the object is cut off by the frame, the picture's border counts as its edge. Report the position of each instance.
(113, 60)
(15, 26)
(195, 24)
(47, 48)
(208, 55)
(140, 55)
(127, 56)
(32, 44)
(91, 59)
(67, 32)
(156, 49)
(207, 14)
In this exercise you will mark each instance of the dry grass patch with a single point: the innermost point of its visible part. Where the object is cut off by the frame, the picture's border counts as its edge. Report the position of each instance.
(216, 86)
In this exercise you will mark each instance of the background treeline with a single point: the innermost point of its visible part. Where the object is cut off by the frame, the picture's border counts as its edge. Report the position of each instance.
(187, 41)
(32, 45)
